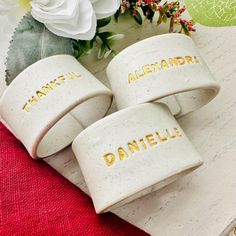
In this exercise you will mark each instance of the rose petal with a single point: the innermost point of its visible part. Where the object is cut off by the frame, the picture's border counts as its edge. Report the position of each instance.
(65, 11)
(84, 36)
(41, 2)
(79, 24)
(105, 8)
(82, 27)
(48, 5)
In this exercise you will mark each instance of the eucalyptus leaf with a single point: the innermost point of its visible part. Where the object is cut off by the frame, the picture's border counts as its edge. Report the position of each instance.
(212, 12)
(31, 42)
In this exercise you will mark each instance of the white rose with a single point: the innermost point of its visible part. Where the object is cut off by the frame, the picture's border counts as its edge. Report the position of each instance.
(75, 19)
(105, 8)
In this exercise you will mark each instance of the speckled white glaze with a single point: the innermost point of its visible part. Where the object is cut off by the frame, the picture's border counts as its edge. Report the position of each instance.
(191, 83)
(143, 171)
(59, 114)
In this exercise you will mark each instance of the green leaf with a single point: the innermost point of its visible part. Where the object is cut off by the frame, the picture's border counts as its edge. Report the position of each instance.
(31, 42)
(108, 38)
(117, 14)
(212, 12)
(116, 37)
(82, 47)
(103, 22)
(159, 21)
(138, 18)
(185, 29)
(164, 18)
(102, 51)
(105, 35)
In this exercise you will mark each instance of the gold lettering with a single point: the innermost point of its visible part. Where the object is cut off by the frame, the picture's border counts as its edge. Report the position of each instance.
(47, 88)
(181, 60)
(164, 65)
(173, 61)
(161, 138)
(138, 76)
(151, 140)
(155, 67)
(143, 143)
(131, 78)
(109, 159)
(189, 60)
(72, 75)
(25, 107)
(33, 100)
(40, 94)
(169, 134)
(146, 69)
(61, 78)
(122, 153)
(54, 83)
(133, 147)
(178, 132)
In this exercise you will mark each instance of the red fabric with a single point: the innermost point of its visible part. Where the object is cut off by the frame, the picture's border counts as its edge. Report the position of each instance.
(36, 200)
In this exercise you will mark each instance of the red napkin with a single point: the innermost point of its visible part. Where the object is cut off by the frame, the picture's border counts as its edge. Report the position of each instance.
(36, 200)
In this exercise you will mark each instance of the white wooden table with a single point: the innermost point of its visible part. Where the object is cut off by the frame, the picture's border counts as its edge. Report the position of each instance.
(202, 203)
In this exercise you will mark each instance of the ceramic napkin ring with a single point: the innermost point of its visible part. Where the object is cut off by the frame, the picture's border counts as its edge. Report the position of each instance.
(131, 153)
(51, 102)
(159, 67)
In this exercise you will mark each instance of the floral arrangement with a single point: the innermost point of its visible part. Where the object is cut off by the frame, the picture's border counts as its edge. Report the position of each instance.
(76, 26)
(82, 20)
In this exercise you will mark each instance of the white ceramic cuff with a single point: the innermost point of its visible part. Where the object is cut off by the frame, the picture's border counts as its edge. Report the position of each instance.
(51, 102)
(161, 66)
(131, 153)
